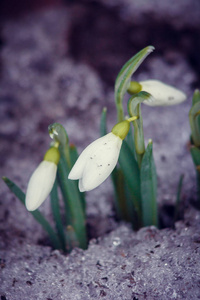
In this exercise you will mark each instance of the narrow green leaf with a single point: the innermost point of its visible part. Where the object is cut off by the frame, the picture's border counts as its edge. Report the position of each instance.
(149, 188)
(178, 198)
(195, 153)
(103, 127)
(73, 202)
(123, 79)
(73, 158)
(56, 214)
(36, 214)
(120, 197)
(130, 140)
(196, 97)
(131, 173)
(73, 153)
(194, 115)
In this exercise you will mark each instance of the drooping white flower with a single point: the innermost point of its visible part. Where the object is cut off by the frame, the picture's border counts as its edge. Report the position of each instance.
(96, 162)
(99, 159)
(42, 180)
(163, 94)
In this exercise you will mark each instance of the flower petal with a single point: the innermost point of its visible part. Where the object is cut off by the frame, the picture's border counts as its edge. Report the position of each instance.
(78, 168)
(100, 162)
(163, 94)
(80, 186)
(40, 184)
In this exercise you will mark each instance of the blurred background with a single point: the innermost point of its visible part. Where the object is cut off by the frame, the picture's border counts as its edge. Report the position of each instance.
(106, 33)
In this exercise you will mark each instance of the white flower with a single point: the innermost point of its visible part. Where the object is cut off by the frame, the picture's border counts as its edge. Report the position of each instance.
(40, 184)
(163, 94)
(42, 180)
(96, 162)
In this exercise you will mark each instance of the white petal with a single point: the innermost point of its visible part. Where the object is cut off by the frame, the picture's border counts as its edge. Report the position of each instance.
(163, 94)
(80, 186)
(40, 184)
(102, 157)
(78, 168)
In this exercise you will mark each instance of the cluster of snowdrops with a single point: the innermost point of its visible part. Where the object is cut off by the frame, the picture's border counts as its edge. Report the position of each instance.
(120, 153)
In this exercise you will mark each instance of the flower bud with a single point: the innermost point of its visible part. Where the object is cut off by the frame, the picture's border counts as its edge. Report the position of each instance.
(134, 88)
(42, 180)
(163, 94)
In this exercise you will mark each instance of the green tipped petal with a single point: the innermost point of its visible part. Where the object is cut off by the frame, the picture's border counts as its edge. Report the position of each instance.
(52, 155)
(121, 129)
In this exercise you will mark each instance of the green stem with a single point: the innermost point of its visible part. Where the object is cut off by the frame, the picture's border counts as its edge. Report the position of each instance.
(134, 109)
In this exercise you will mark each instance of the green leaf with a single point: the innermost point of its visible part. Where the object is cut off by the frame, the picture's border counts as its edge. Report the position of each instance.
(103, 127)
(73, 202)
(124, 77)
(120, 196)
(178, 198)
(131, 173)
(195, 153)
(73, 154)
(194, 115)
(149, 188)
(36, 214)
(196, 97)
(57, 215)
(73, 158)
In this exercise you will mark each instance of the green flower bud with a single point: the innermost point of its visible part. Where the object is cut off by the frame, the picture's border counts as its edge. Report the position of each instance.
(52, 155)
(134, 87)
(121, 129)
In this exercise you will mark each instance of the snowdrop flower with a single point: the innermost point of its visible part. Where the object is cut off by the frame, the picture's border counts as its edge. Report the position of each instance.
(42, 180)
(99, 159)
(162, 93)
